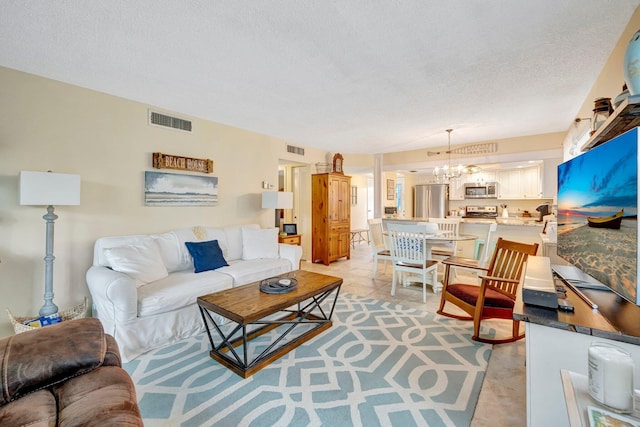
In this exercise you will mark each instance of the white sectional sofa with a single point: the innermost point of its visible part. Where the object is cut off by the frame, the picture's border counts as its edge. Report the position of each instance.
(144, 287)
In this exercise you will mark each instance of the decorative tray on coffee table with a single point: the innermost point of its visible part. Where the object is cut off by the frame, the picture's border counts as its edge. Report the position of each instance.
(278, 285)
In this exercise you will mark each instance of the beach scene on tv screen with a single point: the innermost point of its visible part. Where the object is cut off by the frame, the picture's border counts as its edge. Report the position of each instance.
(597, 213)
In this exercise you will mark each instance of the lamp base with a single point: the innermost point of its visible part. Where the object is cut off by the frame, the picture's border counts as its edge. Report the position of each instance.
(48, 309)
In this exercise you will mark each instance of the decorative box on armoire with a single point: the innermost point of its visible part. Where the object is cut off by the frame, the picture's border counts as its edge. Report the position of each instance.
(331, 217)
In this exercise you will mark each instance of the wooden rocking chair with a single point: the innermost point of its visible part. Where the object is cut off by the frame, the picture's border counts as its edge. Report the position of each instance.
(495, 297)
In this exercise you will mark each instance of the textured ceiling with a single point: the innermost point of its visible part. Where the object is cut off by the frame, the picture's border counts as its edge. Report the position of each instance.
(355, 76)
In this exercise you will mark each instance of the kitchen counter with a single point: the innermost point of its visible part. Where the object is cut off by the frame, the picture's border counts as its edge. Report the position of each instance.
(405, 219)
(527, 222)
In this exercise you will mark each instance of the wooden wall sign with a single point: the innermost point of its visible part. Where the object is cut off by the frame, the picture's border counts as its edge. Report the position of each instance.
(169, 161)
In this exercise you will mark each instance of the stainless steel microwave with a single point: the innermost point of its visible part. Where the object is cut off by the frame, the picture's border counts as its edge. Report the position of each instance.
(488, 190)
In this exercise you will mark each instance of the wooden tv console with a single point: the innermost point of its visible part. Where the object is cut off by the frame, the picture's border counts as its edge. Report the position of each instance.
(557, 340)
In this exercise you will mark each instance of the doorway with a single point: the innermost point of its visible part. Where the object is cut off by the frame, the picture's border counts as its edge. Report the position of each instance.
(297, 179)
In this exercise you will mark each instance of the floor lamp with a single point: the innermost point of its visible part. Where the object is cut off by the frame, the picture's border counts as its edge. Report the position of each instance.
(277, 200)
(48, 189)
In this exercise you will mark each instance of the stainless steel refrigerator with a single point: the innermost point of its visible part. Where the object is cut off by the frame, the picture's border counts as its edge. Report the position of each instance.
(431, 201)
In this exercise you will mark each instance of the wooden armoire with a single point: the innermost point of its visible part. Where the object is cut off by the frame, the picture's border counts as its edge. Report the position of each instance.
(331, 217)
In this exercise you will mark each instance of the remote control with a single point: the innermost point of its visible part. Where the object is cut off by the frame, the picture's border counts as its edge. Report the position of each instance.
(284, 282)
(565, 305)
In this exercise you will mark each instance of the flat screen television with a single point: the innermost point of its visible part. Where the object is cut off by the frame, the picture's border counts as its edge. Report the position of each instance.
(598, 214)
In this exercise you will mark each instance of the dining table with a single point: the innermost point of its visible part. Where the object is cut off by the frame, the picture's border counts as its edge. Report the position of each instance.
(438, 239)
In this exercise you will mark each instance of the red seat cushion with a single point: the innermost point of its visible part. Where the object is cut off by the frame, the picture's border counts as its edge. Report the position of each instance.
(469, 294)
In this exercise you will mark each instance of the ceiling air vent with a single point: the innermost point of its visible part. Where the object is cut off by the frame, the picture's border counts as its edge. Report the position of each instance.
(160, 119)
(295, 150)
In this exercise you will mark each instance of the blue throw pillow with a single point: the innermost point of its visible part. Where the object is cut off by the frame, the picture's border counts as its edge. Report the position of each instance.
(206, 255)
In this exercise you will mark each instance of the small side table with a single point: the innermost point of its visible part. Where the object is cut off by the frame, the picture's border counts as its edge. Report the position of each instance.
(291, 239)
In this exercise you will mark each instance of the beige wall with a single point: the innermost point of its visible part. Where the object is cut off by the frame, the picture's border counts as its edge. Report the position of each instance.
(48, 125)
(359, 210)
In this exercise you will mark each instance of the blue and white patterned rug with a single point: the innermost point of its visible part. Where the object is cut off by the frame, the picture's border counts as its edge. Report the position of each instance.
(380, 364)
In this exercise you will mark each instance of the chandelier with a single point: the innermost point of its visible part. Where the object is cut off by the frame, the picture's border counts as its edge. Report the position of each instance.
(447, 173)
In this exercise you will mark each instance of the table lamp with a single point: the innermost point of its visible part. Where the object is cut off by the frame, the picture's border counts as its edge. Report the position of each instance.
(48, 189)
(277, 200)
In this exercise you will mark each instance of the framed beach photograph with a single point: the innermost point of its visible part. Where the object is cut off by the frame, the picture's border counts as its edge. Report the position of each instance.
(171, 189)
(391, 186)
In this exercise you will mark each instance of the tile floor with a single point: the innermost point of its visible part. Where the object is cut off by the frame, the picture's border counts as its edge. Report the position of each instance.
(502, 397)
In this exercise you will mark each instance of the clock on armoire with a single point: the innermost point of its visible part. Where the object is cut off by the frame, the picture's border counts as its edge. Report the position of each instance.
(331, 217)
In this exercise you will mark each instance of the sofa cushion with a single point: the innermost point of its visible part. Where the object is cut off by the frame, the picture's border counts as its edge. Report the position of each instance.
(206, 255)
(141, 261)
(219, 235)
(234, 240)
(178, 290)
(186, 235)
(248, 271)
(104, 397)
(169, 248)
(37, 409)
(260, 243)
(40, 358)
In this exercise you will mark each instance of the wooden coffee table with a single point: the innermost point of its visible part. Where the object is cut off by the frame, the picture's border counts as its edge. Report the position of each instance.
(247, 306)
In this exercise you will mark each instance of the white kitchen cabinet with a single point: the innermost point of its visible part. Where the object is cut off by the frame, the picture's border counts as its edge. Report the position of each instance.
(482, 177)
(456, 189)
(509, 184)
(522, 183)
(531, 183)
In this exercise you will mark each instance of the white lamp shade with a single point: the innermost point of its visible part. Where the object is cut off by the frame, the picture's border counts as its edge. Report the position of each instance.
(48, 188)
(277, 199)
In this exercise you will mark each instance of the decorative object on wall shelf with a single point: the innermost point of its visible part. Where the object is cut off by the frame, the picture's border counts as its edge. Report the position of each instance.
(621, 96)
(170, 189)
(602, 109)
(48, 189)
(170, 161)
(337, 163)
(632, 64)
(623, 119)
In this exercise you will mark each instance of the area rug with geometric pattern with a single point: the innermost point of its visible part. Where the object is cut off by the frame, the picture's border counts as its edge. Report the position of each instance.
(380, 364)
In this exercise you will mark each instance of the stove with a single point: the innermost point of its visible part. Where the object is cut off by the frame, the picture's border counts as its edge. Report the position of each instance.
(481, 212)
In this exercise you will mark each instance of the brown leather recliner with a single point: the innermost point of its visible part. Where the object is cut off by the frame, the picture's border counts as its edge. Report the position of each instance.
(68, 374)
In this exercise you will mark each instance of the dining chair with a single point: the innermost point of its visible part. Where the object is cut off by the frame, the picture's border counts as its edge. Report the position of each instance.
(410, 254)
(379, 243)
(445, 249)
(468, 267)
(495, 297)
(446, 226)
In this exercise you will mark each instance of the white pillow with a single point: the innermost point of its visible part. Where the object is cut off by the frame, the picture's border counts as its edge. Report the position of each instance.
(169, 248)
(259, 243)
(141, 261)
